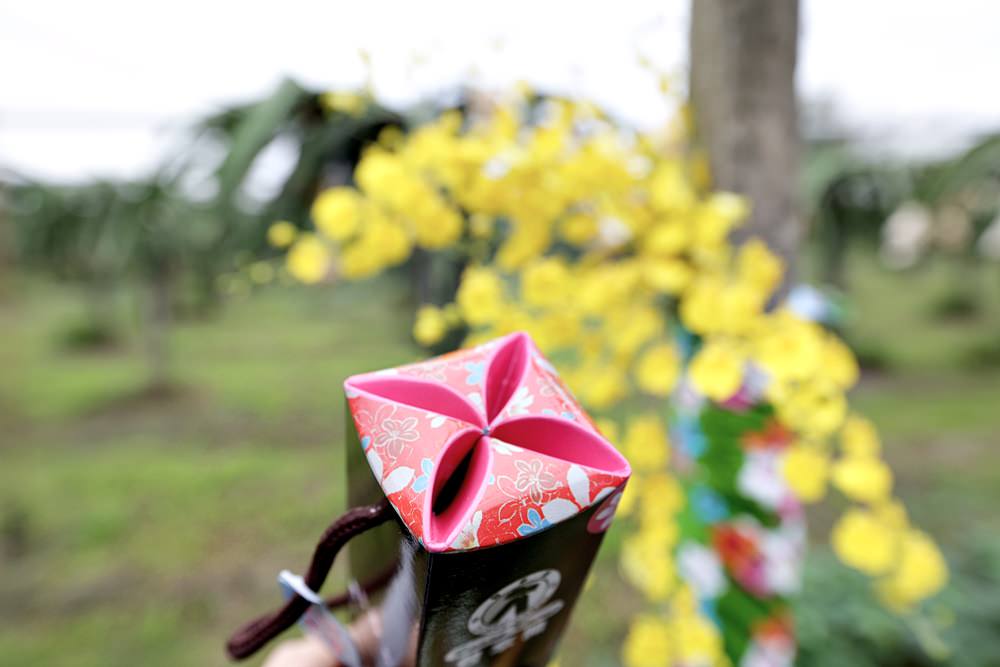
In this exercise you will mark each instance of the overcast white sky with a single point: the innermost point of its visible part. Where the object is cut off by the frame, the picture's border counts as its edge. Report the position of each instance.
(100, 87)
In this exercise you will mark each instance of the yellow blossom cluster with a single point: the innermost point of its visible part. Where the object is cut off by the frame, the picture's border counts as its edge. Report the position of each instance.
(874, 537)
(590, 237)
(655, 497)
(678, 636)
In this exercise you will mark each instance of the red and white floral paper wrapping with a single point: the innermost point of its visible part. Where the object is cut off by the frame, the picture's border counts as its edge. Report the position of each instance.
(536, 457)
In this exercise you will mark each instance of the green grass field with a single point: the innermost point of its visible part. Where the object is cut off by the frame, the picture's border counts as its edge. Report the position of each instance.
(140, 529)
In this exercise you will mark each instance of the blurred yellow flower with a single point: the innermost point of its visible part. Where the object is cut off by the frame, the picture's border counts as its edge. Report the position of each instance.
(662, 498)
(631, 327)
(388, 241)
(865, 543)
(863, 478)
(698, 640)
(657, 370)
(806, 470)
(480, 297)
(337, 212)
(597, 289)
(608, 428)
(892, 513)
(430, 325)
(545, 282)
(557, 329)
(481, 226)
(699, 308)
(729, 206)
(758, 266)
(391, 137)
(647, 565)
(666, 275)
(308, 260)
(526, 243)
(667, 238)
(838, 363)
(814, 409)
(738, 308)
(439, 227)
(358, 261)
(717, 370)
(645, 444)
(789, 347)
(858, 437)
(578, 229)
(716, 217)
(920, 573)
(648, 643)
(630, 496)
(281, 234)
(670, 188)
(599, 385)
(351, 103)
(382, 176)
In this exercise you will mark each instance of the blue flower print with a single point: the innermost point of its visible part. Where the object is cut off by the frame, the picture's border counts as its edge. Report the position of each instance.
(477, 370)
(564, 414)
(687, 433)
(686, 343)
(535, 523)
(707, 606)
(421, 482)
(708, 505)
(365, 441)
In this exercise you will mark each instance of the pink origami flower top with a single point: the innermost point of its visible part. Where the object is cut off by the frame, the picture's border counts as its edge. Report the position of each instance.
(483, 446)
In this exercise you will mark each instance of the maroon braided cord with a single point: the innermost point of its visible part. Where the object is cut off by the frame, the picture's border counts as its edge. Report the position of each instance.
(254, 635)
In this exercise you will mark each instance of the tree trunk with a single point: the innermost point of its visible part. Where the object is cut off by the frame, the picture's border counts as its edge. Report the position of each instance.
(6, 239)
(423, 288)
(742, 89)
(158, 330)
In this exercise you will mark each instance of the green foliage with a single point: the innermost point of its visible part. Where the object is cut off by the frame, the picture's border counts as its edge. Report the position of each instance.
(840, 624)
(984, 354)
(888, 304)
(88, 334)
(958, 304)
(153, 231)
(100, 233)
(950, 177)
(322, 141)
(850, 198)
(162, 521)
(251, 129)
(67, 230)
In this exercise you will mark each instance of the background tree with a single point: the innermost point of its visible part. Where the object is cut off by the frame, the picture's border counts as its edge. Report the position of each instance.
(742, 88)
(325, 133)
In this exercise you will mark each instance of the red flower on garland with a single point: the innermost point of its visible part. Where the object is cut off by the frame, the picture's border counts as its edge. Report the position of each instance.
(737, 546)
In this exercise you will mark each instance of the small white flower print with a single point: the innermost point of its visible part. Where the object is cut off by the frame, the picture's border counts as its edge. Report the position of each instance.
(533, 479)
(520, 402)
(396, 435)
(505, 448)
(397, 480)
(579, 484)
